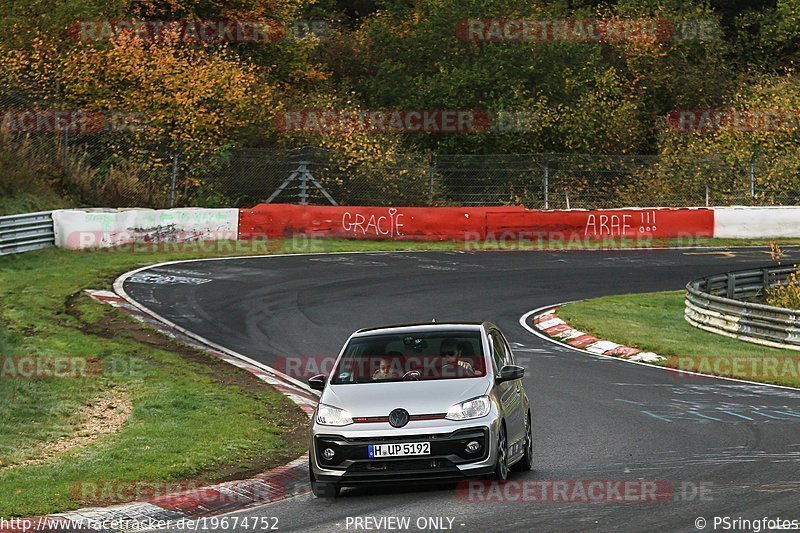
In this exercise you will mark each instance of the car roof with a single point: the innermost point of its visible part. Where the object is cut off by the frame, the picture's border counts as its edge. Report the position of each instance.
(426, 327)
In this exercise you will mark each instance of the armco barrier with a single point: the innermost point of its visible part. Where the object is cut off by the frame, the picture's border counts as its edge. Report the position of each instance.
(78, 229)
(441, 223)
(22, 233)
(719, 304)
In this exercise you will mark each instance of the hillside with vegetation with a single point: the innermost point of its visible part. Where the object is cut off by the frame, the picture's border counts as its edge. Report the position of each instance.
(210, 101)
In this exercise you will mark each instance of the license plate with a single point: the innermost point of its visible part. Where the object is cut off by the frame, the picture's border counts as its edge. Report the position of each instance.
(399, 450)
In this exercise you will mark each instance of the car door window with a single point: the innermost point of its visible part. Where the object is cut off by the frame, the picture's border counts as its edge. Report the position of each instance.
(510, 360)
(497, 352)
(499, 355)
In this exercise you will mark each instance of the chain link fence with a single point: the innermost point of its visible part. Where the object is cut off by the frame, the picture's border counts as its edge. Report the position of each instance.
(100, 158)
(107, 161)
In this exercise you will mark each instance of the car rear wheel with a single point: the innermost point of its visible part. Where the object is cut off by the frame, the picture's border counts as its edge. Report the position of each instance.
(526, 462)
(501, 466)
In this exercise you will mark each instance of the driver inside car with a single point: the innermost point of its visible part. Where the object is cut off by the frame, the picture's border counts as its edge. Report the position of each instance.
(451, 362)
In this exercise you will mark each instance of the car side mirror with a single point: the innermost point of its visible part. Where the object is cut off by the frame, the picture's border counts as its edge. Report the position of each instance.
(317, 382)
(510, 373)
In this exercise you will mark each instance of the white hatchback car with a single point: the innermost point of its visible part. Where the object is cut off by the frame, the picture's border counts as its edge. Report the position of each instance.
(423, 402)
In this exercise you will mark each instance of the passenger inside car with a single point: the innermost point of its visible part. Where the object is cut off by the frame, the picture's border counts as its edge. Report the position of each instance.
(388, 367)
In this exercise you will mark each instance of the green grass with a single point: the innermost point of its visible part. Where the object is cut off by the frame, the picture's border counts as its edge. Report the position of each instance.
(193, 417)
(30, 202)
(26, 186)
(654, 322)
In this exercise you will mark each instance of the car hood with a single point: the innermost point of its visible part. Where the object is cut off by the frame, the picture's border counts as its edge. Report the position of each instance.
(416, 397)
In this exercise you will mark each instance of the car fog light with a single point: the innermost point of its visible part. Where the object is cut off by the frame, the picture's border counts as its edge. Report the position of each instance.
(473, 446)
(328, 453)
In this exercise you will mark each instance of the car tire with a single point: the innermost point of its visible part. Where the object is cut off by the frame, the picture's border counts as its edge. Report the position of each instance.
(501, 466)
(526, 462)
(320, 489)
(325, 490)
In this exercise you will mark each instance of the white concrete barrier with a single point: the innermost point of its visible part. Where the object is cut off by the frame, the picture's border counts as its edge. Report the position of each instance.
(81, 229)
(743, 222)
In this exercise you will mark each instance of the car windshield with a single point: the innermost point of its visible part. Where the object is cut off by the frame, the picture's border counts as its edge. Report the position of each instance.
(409, 357)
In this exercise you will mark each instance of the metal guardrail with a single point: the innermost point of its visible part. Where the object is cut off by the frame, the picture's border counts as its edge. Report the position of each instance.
(724, 304)
(25, 232)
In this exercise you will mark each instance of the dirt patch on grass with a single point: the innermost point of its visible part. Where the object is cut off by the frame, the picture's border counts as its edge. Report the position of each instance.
(105, 415)
(291, 419)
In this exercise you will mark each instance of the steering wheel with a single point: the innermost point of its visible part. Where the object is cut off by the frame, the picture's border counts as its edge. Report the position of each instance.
(412, 374)
(469, 370)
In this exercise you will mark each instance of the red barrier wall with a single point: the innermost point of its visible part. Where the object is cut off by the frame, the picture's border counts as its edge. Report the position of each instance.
(444, 223)
(418, 223)
(606, 223)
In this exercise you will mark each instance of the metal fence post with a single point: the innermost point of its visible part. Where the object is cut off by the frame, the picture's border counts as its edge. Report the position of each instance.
(304, 188)
(66, 148)
(753, 173)
(731, 288)
(546, 183)
(174, 179)
(430, 182)
(706, 194)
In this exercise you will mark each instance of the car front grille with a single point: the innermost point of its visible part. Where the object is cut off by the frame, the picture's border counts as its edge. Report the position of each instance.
(449, 447)
(402, 465)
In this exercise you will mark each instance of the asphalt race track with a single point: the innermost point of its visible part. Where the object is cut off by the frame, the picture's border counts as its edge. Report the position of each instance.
(726, 448)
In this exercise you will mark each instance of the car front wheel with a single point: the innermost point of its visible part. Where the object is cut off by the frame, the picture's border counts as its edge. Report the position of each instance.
(526, 463)
(325, 490)
(322, 490)
(501, 466)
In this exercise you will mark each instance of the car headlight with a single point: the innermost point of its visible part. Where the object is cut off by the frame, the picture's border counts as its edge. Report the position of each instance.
(475, 408)
(333, 416)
